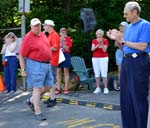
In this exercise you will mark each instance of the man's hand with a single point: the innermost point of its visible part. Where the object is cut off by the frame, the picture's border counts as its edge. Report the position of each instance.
(114, 34)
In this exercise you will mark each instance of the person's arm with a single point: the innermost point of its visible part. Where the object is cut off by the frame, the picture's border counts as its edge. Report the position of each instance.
(53, 49)
(66, 47)
(104, 47)
(13, 46)
(22, 65)
(94, 47)
(55, 43)
(68, 43)
(117, 36)
(139, 46)
(118, 45)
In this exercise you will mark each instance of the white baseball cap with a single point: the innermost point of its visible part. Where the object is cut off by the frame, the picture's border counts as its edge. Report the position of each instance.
(35, 21)
(49, 22)
(63, 29)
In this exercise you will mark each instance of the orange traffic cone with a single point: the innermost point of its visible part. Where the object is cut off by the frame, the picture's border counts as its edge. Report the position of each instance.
(2, 86)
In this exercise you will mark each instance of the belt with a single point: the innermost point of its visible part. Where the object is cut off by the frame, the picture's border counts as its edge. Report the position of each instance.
(135, 55)
(46, 62)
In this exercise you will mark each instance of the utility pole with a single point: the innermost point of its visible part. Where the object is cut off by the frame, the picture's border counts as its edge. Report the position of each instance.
(24, 6)
(23, 22)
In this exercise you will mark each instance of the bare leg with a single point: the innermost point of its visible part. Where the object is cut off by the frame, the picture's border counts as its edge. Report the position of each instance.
(45, 89)
(58, 77)
(97, 81)
(66, 75)
(105, 81)
(36, 99)
(52, 92)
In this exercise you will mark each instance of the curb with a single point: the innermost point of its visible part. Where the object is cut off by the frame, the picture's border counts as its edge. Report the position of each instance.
(86, 103)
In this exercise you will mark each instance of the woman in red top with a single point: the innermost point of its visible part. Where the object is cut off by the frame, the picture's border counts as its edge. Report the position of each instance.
(100, 60)
(65, 44)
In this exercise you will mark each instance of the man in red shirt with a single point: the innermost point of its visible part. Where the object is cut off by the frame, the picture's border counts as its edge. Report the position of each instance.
(54, 42)
(34, 57)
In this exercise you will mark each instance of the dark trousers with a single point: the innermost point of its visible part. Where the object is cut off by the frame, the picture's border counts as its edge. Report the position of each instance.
(134, 85)
(10, 73)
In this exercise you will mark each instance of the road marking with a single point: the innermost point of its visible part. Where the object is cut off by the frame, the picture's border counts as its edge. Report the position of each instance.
(67, 121)
(77, 121)
(74, 123)
(18, 96)
(81, 123)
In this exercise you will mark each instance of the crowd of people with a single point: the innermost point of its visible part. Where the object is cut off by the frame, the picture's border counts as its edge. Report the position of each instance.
(39, 63)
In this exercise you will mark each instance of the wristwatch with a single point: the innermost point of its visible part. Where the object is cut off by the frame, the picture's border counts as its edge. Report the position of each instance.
(22, 69)
(123, 42)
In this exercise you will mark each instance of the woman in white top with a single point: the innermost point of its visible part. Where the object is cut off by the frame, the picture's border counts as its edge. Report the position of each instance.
(9, 49)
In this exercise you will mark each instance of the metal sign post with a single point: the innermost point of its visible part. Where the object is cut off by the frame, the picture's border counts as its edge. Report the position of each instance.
(24, 6)
(23, 25)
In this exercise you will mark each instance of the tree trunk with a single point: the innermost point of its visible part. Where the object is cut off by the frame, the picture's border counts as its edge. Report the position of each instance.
(67, 5)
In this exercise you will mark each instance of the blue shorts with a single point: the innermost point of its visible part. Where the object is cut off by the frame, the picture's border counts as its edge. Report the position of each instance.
(67, 62)
(38, 74)
(119, 56)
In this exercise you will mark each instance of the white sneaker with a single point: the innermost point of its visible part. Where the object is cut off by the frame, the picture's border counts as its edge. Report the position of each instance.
(97, 90)
(106, 91)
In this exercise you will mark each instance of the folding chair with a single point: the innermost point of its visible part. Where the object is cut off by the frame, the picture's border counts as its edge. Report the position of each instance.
(82, 72)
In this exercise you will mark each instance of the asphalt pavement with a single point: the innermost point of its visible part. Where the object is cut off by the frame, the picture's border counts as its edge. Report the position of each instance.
(15, 103)
(16, 114)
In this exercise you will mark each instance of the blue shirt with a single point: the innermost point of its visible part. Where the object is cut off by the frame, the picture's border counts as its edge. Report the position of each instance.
(148, 48)
(138, 32)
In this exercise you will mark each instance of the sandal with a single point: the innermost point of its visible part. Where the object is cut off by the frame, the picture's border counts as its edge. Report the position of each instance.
(30, 105)
(66, 91)
(57, 91)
